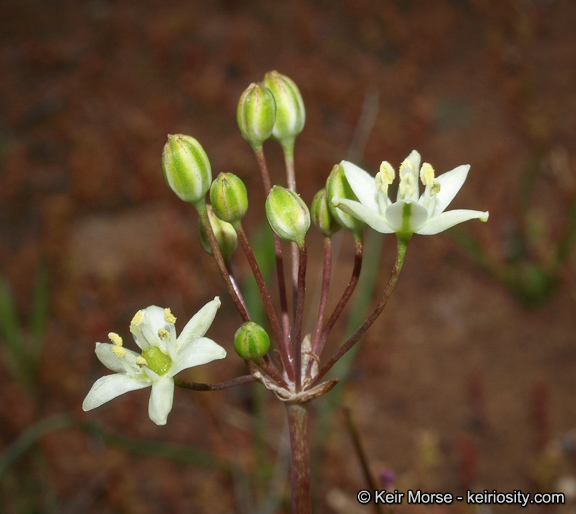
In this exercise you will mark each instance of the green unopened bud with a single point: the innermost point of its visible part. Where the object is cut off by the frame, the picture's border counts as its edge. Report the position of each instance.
(186, 168)
(287, 214)
(251, 341)
(290, 112)
(337, 186)
(229, 197)
(321, 215)
(256, 114)
(223, 232)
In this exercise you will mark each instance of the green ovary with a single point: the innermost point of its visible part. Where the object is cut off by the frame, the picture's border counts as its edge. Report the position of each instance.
(157, 360)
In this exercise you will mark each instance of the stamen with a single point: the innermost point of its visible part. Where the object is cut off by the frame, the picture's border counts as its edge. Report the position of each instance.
(118, 351)
(407, 185)
(141, 361)
(138, 318)
(115, 338)
(427, 174)
(169, 317)
(434, 187)
(163, 334)
(384, 177)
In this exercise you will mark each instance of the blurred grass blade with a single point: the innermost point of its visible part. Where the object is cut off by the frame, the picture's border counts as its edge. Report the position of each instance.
(10, 329)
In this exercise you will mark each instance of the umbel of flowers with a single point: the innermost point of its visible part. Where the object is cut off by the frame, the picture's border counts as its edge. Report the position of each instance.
(352, 198)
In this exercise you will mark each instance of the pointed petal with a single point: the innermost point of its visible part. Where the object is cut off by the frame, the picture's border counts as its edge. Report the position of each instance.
(450, 184)
(446, 220)
(395, 215)
(118, 364)
(161, 400)
(370, 217)
(199, 324)
(109, 387)
(146, 333)
(200, 351)
(362, 183)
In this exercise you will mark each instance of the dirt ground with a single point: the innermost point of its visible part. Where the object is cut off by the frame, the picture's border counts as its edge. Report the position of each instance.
(467, 379)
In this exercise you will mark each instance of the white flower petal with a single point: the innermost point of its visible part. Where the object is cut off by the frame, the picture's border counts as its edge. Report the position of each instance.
(450, 184)
(146, 332)
(199, 351)
(362, 183)
(161, 400)
(109, 387)
(118, 364)
(367, 215)
(199, 324)
(395, 215)
(446, 220)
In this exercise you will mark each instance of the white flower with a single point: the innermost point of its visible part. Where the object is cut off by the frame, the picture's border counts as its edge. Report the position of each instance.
(411, 213)
(163, 356)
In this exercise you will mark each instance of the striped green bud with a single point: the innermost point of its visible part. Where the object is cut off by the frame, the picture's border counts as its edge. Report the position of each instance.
(223, 232)
(229, 197)
(251, 341)
(287, 214)
(321, 215)
(337, 186)
(186, 168)
(290, 111)
(256, 114)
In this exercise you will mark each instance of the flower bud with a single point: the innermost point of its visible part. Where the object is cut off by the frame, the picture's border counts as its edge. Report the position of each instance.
(287, 214)
(256, 114)
(186, 168)
(224, 233)
(290, 112)
(321, 215)
(251, 341)
(228, 197)
(337, 186)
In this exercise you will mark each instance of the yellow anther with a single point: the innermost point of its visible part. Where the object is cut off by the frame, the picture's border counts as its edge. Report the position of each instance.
(141, 361)
(138, 318)
(406, 168)
(163, 334)
(118, 351)
(115, 338)
(388, 171)
(384, 177)
(169, 317)
(427, 174)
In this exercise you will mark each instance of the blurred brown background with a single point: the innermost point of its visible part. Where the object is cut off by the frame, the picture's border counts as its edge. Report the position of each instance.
(466, 381)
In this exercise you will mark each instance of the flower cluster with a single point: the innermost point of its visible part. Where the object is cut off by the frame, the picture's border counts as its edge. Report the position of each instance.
(351, 200)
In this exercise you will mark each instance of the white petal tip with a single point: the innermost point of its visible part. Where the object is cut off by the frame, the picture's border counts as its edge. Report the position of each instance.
(484, 217)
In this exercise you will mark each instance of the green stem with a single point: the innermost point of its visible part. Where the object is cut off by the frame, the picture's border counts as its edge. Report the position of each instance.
(300, 458)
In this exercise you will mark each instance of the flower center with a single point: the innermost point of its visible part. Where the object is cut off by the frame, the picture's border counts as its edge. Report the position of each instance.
(157, 360)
